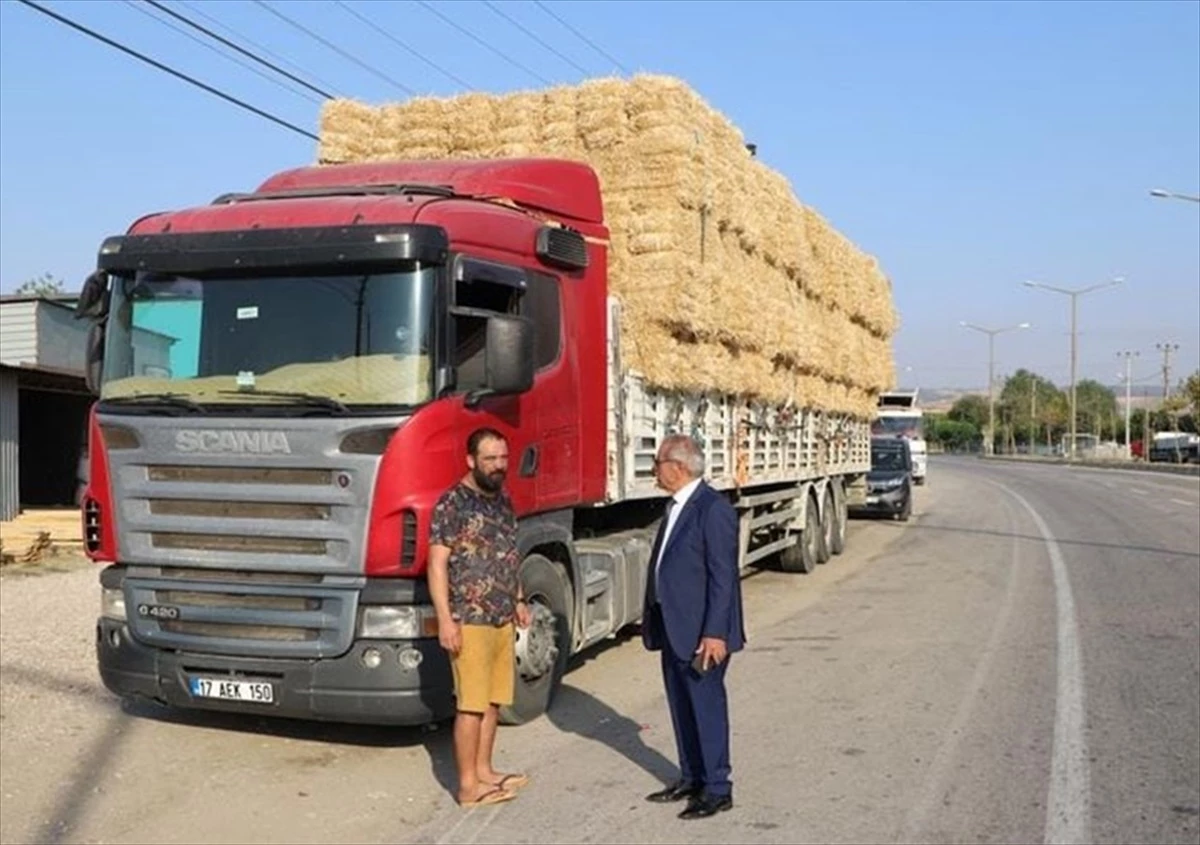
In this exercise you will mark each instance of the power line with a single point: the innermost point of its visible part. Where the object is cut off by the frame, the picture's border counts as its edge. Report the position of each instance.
(582, 37)
(264, 50)
(216, 50)
(485, 44)
(401, 44)
(535, 37)
(201, 28)
(335, 48)
(216, 92)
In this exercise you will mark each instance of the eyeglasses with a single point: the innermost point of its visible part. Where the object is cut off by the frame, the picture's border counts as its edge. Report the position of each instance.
(660, 461)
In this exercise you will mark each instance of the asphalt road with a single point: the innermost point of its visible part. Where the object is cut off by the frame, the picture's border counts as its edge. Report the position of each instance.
(1019, 663)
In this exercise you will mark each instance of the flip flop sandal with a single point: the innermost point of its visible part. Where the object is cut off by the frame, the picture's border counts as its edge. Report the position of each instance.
(492, 796)
(512, 782)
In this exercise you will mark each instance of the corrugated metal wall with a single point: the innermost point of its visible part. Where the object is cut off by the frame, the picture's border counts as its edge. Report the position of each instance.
(18, 333)
(10, 433)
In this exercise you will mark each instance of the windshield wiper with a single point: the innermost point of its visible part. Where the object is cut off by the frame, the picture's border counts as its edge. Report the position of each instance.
(178, 400)
(312, 399)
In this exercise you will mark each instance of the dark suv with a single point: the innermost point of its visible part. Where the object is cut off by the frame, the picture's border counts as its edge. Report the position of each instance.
(889, 483)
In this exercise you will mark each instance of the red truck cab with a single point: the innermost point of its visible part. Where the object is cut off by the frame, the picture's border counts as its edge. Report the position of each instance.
(287, 380)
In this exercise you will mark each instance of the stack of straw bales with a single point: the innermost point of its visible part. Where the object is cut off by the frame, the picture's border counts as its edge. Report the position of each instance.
(727, 282)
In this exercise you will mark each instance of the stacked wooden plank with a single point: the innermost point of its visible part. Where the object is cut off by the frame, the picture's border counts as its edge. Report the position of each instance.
(38, 534)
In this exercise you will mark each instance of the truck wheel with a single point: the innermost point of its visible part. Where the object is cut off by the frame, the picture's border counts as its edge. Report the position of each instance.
(543, 649)
(803, 556)
(837, 543)
(825, 552)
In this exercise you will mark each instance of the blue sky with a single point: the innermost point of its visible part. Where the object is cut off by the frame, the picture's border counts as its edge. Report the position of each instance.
(970, 146)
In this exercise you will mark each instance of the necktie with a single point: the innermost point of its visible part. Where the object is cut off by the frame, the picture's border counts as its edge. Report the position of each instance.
(652, 585)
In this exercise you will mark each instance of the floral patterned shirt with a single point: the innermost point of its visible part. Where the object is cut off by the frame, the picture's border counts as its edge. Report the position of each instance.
(481, 532)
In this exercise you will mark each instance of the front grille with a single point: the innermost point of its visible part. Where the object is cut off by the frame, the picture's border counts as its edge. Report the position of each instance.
(239, 475)
(234, 543)
(193, 598)
(236, 631)
(234, 612)
(185, 573)
(237, 510)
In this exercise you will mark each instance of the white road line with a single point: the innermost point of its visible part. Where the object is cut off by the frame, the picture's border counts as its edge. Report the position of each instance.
(1186, 502)
(1139, 491)
(1068, 806)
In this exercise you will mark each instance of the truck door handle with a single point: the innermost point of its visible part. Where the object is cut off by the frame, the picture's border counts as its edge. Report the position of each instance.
(529, 461)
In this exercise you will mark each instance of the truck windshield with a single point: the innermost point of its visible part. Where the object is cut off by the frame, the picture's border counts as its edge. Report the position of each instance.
(900, 426)
(272, 340)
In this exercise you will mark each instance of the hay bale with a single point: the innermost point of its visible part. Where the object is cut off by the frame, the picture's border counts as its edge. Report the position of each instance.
(728, 282)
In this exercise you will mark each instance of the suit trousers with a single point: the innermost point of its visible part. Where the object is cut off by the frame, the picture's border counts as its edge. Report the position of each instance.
(700, 715)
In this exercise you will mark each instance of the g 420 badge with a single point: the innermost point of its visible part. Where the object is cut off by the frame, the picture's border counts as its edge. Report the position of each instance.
(161, 612)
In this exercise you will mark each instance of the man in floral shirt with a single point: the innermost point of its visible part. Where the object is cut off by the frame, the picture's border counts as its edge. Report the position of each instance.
(474, 581)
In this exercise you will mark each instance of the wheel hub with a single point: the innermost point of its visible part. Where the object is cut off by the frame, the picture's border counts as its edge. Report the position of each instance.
(537, 645)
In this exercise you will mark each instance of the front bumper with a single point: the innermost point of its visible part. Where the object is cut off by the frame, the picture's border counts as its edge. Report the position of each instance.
(882, 501)
(338, 689)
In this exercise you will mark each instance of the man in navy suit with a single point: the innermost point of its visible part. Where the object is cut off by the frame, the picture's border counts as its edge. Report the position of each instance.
(693, 615)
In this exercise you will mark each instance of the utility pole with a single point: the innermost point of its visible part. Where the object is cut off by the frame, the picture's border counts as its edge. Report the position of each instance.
(1033, 386)
(989, 445)
(1166, 349)
(1074, 295)
(1128, 356)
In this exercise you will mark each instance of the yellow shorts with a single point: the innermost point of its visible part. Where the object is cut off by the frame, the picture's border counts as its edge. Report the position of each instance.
(485, 667)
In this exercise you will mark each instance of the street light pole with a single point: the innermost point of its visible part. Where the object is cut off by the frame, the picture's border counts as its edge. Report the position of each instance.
(1159, 192)
(1128, 356)
(989, 445)
(1074, 294)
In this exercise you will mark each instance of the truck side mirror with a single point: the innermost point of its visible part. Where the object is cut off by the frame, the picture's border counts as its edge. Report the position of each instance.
(93, 298)
(508, 358)
(94, 362)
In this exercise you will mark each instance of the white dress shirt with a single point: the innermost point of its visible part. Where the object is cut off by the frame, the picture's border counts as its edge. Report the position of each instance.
(681, 498)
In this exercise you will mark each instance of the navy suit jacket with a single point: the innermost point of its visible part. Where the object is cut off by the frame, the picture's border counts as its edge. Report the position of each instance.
(700, 588)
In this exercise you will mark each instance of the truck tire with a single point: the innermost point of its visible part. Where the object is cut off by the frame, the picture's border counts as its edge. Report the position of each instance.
(825, 547)
(840, 518)
(804, 556)
(543, 650)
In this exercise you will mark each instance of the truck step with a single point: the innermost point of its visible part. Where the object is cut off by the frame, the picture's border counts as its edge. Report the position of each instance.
(595, 583)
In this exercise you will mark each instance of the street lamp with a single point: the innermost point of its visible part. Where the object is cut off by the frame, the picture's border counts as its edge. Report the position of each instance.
(990, 444)
(1074, 294)
(1159, 192)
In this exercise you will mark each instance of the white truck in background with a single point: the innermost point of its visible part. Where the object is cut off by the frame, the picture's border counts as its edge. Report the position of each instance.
(900, 415)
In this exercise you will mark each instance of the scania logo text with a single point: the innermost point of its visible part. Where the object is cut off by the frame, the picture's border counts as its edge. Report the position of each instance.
(232, 440)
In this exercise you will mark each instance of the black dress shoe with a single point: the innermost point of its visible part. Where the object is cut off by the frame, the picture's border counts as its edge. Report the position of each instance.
(675, 792)
(704, 805)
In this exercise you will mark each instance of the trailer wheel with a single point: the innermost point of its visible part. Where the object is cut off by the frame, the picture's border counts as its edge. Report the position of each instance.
(837, 544)
(804, 555)
(828, 518)
(541, 650)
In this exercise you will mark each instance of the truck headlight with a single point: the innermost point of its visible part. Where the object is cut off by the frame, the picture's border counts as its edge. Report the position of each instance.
(397, 622)
(112, 603)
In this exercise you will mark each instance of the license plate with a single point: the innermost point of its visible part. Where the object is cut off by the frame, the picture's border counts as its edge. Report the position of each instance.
(872, 500)
(253, 692)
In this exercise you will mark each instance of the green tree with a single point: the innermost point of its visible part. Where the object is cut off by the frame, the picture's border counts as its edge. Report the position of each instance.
(951, 435)
(1033, 406)
(972, 409)
(43, 285)
(1190, 387)
(1095, 408)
